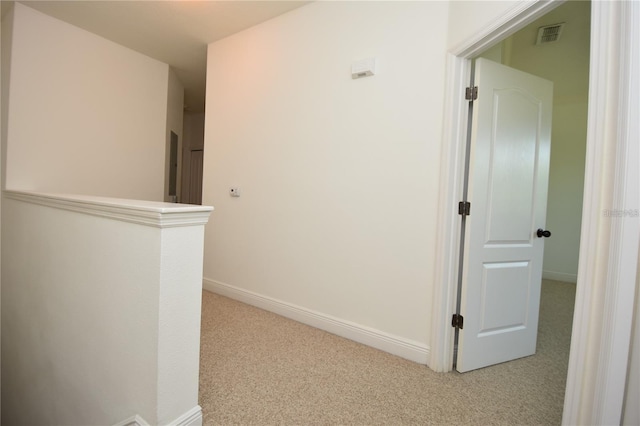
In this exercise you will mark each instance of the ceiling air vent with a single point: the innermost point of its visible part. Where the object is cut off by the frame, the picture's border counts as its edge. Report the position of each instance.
(549, 33)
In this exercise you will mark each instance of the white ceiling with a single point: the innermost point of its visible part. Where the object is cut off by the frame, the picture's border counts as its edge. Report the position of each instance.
(175, 32)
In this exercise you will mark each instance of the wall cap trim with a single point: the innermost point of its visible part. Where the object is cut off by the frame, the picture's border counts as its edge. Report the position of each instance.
(147, 213)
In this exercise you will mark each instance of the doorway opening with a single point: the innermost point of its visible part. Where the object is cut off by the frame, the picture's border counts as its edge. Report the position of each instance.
(507, 293)
(607, 271)
(173, 167)
(192, 158)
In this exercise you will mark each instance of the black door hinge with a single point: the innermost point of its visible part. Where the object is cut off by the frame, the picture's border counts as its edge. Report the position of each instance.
(471, 93)
(457, 321)
(464, 208)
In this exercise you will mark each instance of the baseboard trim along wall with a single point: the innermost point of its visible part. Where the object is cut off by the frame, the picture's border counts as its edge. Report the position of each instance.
(560, 276)
(133, 421)
(192, 417)
(401, 347)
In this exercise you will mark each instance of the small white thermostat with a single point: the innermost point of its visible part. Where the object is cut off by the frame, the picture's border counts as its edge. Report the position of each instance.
(363, 68)
(234, 191)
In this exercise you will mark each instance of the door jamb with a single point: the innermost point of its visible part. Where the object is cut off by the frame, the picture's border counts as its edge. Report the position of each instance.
(608, 264)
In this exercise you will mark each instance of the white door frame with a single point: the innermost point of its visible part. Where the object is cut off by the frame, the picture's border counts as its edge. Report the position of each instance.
(608, 264)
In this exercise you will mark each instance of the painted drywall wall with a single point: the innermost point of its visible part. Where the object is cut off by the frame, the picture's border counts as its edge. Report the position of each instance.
(78, 331)
(86, 115)
(101, 314)
(468, 17)
(566, 184)
(338, 177)
(494, 53)
(175, 114)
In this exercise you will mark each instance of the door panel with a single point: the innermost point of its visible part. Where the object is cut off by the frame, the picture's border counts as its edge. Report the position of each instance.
(512, 167)
(507, 188)
(497, 283)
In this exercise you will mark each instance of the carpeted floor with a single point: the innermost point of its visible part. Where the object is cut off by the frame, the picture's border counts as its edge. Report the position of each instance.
(260, 368)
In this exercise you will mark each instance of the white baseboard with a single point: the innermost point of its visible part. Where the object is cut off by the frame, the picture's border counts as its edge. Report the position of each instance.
(192, 417)
(133, 421)
(560, 276)
(411, 350)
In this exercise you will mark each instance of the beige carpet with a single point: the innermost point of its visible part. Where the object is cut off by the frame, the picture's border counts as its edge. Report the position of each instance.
(262, 369)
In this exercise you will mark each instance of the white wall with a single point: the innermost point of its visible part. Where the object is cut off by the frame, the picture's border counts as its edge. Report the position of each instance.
(84, 339)
(566, 185)
(76, 328)
(175, 114)
(86, 115)
(494, 54)
(338, 177)
(468, 17)
(100, 310)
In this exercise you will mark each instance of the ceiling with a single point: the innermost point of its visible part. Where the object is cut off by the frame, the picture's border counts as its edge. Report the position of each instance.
(175, 32)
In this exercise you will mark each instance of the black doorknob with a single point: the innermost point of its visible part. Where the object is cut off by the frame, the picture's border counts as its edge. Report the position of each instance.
(542, 233)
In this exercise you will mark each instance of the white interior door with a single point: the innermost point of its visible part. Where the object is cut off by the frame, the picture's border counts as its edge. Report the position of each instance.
(507, 189)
